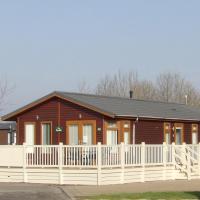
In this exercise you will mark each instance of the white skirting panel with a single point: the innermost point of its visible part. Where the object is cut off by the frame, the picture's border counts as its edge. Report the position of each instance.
(89, 176)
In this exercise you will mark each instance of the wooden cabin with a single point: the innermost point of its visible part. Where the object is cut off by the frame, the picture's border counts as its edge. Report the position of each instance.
(74, 118)
(7, 133)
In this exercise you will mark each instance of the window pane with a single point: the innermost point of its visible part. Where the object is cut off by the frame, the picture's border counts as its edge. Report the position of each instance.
(9, 138)
(126, 138)
(194, 138)
(29, 133)
(111, 137)
(167, 138)
(46, 133)
(73, 134)
(178, 135)
(87, 134)
(112, 124)
(126, 125)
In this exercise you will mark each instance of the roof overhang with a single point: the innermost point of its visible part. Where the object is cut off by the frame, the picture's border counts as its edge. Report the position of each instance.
(52, 95)
(156, 118)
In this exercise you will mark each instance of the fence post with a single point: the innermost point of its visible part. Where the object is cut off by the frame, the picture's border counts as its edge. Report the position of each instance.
(143, 160)
(24, 163)
(164, 160)
(60, 162)
(173, 160)
(184, 153)
(99, 155)
(187, 160)
(122, 162)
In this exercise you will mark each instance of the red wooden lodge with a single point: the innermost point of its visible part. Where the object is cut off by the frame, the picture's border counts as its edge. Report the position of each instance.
(74, 118)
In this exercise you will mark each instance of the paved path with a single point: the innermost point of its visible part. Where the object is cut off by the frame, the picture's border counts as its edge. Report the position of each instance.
(157, 186)
(22, 191)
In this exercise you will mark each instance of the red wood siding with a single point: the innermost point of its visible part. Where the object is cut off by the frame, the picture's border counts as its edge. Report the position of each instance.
(59, 111)
(150, 132)
(3, 137)
(48, 111)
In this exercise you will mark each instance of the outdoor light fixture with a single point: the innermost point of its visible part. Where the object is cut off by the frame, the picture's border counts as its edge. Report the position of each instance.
(80, 116)
(37, 117)
(194, 128)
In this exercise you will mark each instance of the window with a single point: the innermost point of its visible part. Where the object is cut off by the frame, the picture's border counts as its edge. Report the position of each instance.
(46, 133)
(87, 134)
(73, 134)
(30, 133)
(112, 125)
(81, 132)
(29, 136)
(178, 134)
(14, 137)
(126, 138)
(9, 138)
(111, 137)
(194, 134)
(126, 132)
(167, 133)
(112, 133)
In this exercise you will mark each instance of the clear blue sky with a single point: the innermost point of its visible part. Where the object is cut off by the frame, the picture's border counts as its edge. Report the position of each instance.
(52, 45)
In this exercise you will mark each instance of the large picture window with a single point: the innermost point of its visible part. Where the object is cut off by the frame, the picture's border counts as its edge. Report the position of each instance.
(81, 132)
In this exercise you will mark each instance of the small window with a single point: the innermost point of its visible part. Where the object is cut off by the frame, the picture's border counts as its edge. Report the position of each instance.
(126, 125)
(112, 125)
(194, 134)
(167, 133)
(46, 133)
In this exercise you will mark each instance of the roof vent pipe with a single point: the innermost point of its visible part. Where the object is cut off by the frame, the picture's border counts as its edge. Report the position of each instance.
(131, 94)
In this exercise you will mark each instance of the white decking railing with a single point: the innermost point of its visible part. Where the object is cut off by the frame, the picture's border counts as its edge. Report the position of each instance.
(99, 163)
(87, 156)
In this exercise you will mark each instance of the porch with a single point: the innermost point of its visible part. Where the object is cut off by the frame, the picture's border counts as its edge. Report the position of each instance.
(98, 164)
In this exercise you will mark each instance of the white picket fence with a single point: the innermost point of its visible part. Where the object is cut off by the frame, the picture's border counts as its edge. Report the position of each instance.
(98, 164)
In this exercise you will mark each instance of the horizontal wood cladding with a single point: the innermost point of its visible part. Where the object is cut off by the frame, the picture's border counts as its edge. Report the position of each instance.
(150, 132)
(58, 111)
(49, 111)
(3, 137)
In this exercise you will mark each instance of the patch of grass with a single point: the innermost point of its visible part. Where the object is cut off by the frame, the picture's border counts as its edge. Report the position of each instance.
(147, 195)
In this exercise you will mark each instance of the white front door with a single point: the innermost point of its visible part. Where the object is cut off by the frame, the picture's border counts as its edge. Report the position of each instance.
(30, 134)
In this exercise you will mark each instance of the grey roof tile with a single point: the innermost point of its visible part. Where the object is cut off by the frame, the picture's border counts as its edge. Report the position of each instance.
(132, 107)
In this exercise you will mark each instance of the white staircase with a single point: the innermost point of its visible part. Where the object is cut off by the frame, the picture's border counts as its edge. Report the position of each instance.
(186, 161)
